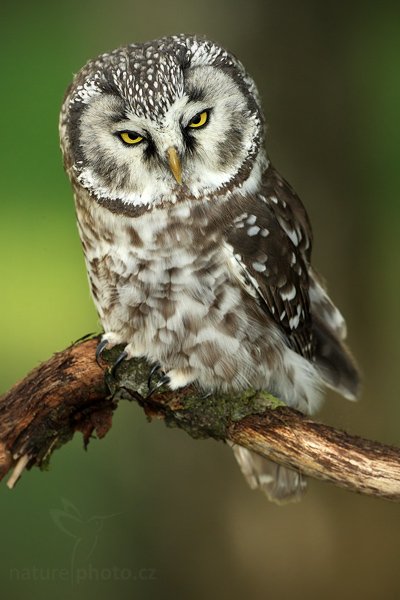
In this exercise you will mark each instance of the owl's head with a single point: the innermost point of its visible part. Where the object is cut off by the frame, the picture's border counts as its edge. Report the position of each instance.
(174, 118)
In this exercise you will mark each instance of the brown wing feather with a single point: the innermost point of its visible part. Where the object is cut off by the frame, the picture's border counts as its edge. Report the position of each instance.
(272, 241)
(289, 211)
(273, 256)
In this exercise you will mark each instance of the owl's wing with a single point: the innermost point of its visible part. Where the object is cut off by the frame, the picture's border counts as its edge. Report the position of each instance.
(270, 237)
(288, 211)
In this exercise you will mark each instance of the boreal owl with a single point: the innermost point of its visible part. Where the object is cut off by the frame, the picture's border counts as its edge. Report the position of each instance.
(198, 251)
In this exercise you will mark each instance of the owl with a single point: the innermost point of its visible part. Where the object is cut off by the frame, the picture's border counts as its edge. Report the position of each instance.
(198, 252)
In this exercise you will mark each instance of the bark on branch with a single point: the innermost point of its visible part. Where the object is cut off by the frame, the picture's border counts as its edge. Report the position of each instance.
(71, 392)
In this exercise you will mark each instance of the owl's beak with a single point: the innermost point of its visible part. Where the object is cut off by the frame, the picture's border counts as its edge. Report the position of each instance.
(175, 164)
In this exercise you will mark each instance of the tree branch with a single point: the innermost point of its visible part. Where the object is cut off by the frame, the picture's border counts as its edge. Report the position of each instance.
(71, 392)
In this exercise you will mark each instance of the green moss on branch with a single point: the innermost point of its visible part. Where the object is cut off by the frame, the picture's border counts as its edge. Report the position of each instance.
(200, 415)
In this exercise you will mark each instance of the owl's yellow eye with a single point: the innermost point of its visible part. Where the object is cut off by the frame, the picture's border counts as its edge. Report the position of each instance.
(130, 137)
(199, 120)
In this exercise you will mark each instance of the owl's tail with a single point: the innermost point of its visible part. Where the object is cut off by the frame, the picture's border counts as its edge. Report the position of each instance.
(279, 484)
(333, 360)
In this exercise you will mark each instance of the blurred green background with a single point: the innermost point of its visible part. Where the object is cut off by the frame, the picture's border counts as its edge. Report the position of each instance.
(148, 512)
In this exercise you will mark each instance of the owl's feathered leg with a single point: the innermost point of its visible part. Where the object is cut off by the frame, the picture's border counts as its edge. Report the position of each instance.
(108, 340)
(175, 378)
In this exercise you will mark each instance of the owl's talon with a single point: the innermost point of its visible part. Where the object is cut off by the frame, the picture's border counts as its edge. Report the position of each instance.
(154, 368)
(119, 360)
(101, 346)
(164, 380)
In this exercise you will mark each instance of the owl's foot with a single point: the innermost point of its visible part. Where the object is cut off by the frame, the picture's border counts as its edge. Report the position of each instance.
(101, 346)
(155, 368)
(175, 378)
(123, 356)
(128, 353)
(164, 380)
(180, 378)
(108, 340)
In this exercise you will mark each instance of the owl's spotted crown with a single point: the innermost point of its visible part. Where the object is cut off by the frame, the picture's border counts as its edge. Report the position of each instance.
(151, 92)
(150, 76)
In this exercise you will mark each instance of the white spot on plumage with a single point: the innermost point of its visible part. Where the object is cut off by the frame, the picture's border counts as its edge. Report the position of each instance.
(252, 231)
(239, 221)
(289, 294)
(259, 267)
(295, 320)
(261, 257)
(240, 218)
(291, 233)
(324, 307)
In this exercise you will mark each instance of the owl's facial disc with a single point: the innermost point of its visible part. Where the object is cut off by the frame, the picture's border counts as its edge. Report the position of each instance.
(207, 138)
